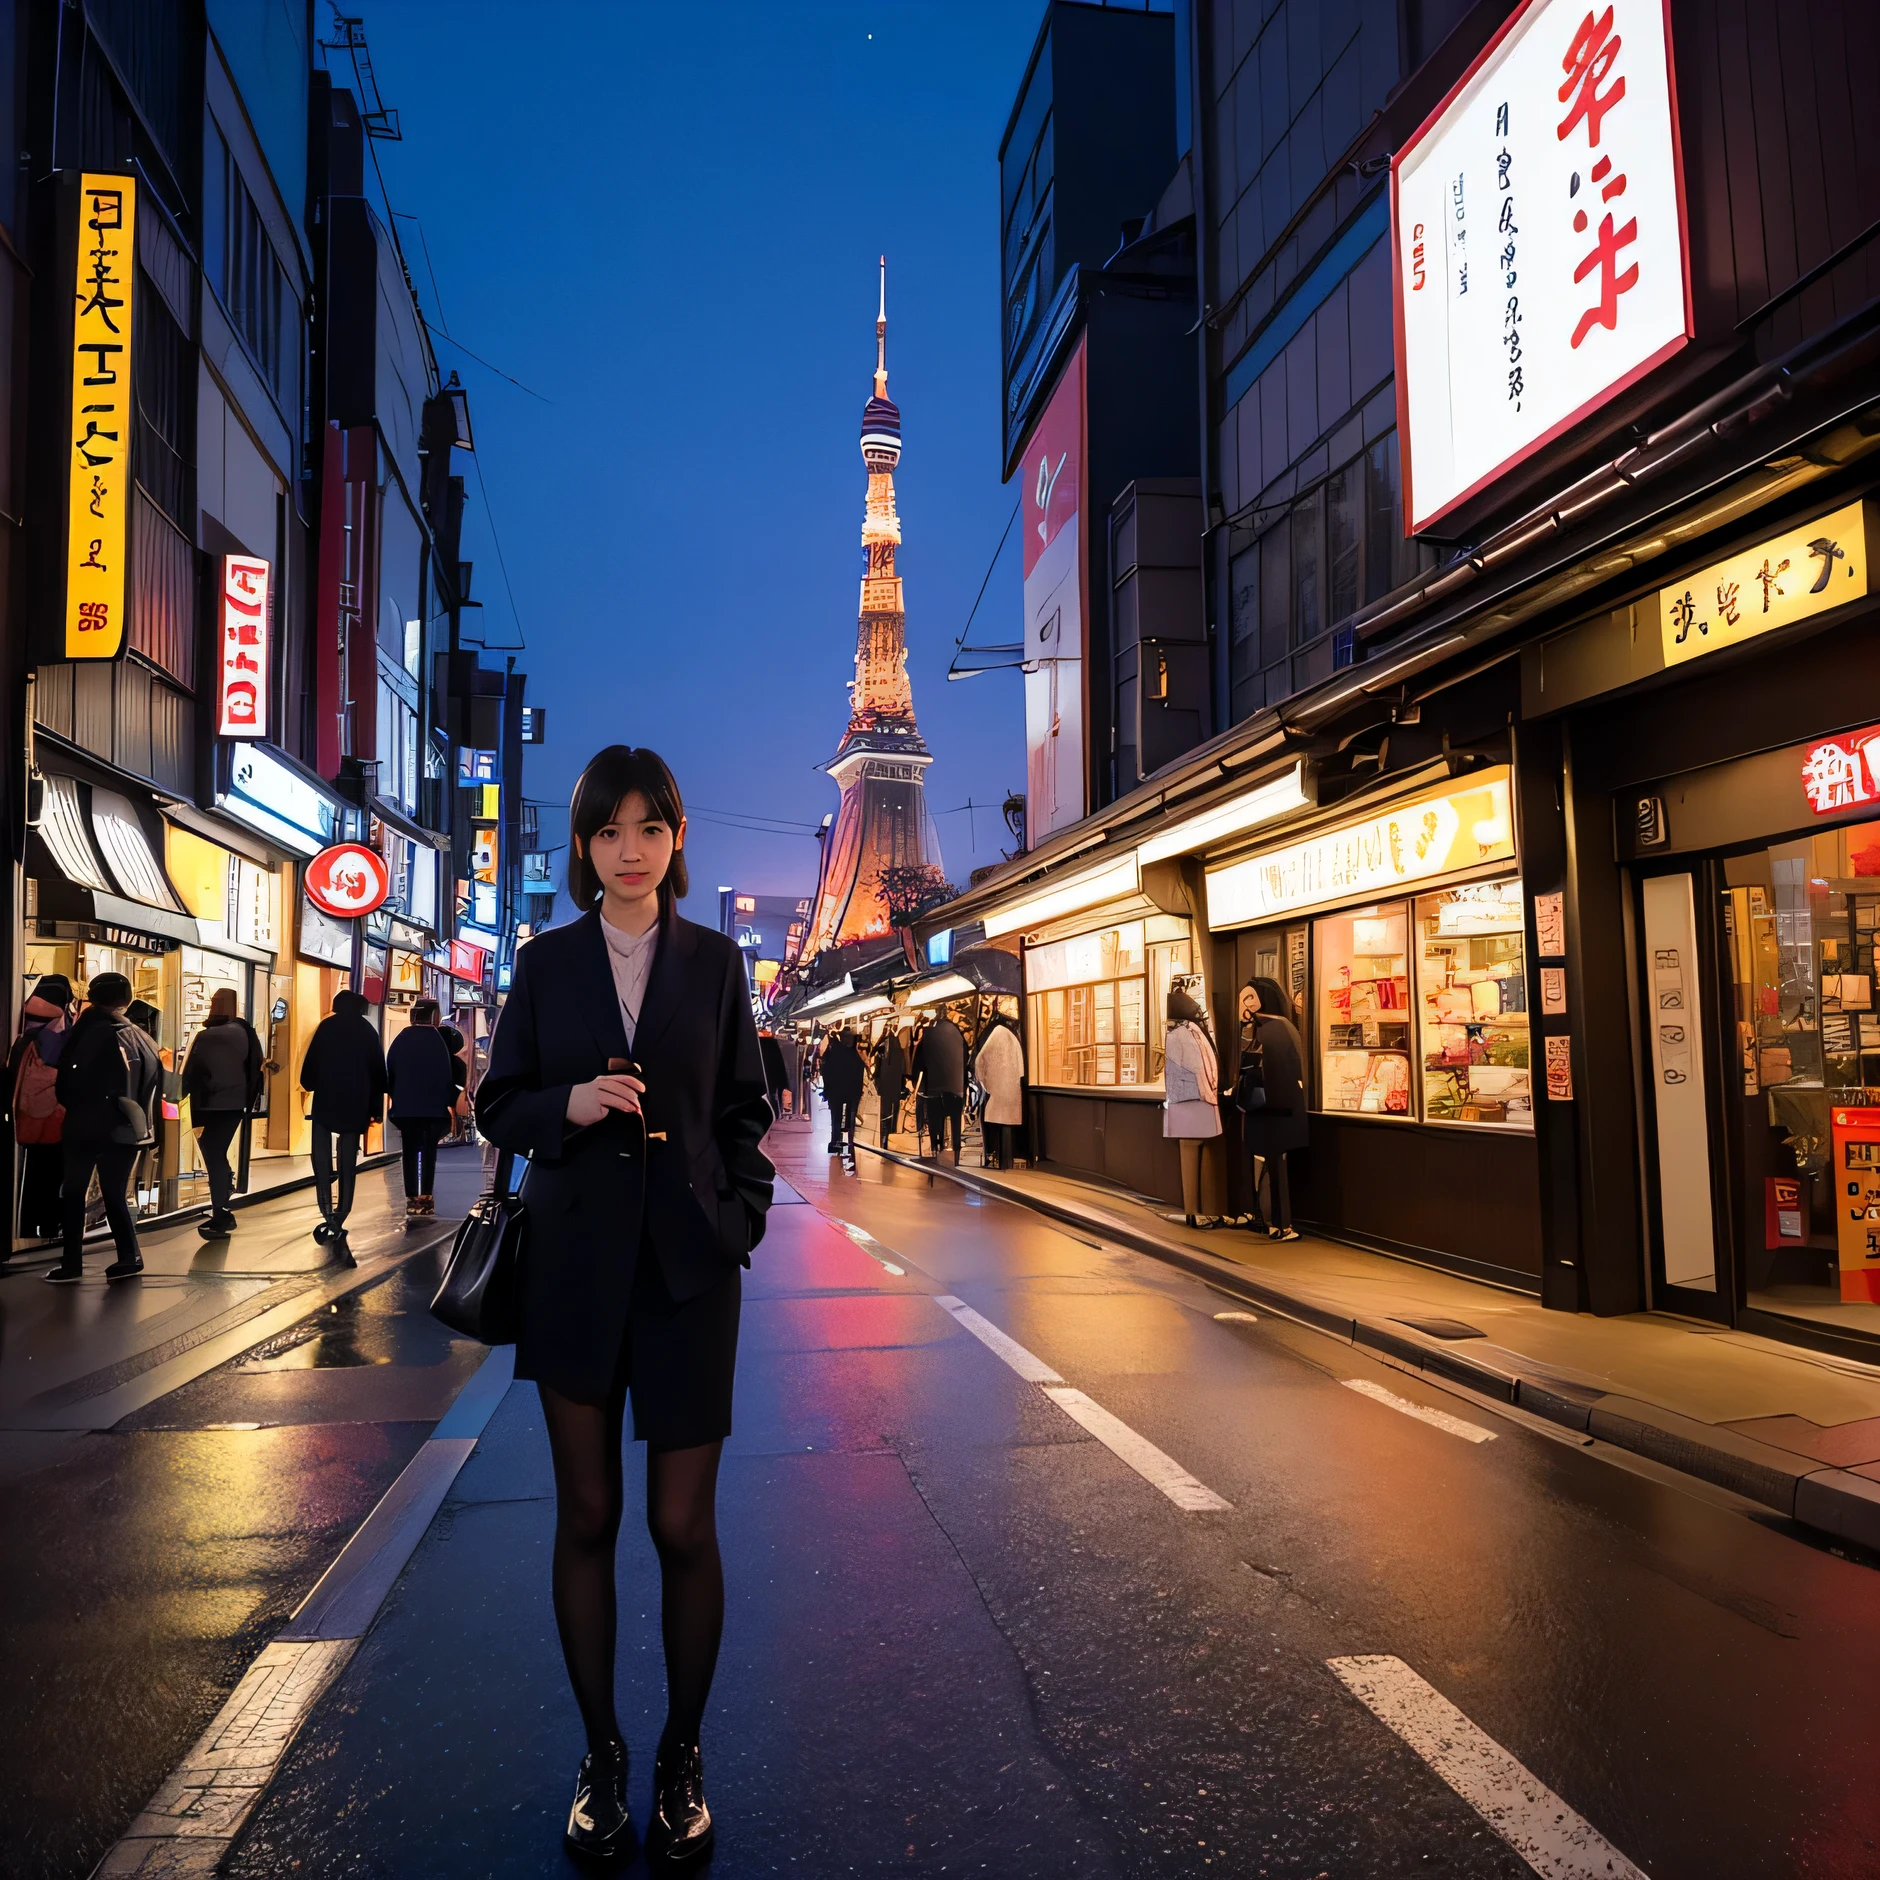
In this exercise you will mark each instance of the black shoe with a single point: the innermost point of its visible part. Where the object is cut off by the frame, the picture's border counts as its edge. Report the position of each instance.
(681, 1828)
(124, 1269)
(217, 1227)
(342, 1251)
(322, 1233)
(599, 1827)
(63, 1276)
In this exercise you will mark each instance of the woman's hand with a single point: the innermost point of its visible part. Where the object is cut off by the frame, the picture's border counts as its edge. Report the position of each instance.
(589, 1102)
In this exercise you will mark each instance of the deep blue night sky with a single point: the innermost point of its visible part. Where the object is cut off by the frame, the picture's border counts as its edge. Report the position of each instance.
(665, 219)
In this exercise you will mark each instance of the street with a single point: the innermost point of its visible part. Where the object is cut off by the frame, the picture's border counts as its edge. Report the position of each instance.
(965, 1635)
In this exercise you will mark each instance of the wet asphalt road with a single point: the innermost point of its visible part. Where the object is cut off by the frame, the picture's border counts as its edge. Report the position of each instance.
(963, 1636)
(145, 1565)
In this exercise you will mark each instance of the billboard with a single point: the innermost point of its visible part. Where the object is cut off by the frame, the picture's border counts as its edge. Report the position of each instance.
(241, 696)
(1051, 477)
(98, 471)
(1538, 227)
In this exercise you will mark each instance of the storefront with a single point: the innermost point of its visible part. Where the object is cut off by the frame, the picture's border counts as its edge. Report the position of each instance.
(1727, 813)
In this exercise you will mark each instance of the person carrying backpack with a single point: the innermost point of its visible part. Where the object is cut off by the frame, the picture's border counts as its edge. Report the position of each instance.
(108, 1078)
(33, 1103)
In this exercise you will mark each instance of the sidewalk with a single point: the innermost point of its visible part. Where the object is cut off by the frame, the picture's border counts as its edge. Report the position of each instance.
(1797, 1430)
(82, 1357)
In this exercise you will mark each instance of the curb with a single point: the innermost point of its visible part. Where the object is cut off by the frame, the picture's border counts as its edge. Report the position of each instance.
(1833, 1501)
(192, 1823)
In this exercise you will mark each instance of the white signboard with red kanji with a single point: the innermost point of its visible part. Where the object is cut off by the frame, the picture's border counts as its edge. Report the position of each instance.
(241, 697)
(1538, 223)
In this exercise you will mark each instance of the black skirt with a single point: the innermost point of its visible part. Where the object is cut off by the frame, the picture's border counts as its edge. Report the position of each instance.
(678, 1362)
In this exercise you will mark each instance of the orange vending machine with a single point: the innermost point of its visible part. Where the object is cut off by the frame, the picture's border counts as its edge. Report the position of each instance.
(1856, 1135)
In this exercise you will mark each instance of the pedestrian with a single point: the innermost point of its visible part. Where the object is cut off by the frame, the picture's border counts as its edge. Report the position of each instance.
(460, 1078)
(843, 1074)
(890, 1080)
(940, 1076)
(646, 1192)
(790, 1055)
(422, 1087)
(1276, 1125)
(1000, 1068)
(773, 1069)
(1191, 1108)
(108, 1075)
(345, 1069)
(222, 1080)
(33, 1103)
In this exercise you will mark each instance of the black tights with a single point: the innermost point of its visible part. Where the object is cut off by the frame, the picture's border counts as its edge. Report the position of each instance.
(681, 1497)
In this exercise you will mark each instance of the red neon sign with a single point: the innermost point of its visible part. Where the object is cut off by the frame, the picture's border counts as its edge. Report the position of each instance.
(348, 880)
(1843, 773)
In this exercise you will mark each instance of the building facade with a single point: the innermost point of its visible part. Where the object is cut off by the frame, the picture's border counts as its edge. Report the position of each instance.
(1536, 428)
(233, 593)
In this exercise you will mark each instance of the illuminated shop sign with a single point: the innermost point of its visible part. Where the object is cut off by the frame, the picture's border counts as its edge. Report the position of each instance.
(98, 471)
(325, 939)
(466, 961)
(1822, 564)
(266, 795)
(1843, 773)
(483, 853)
(347, 880)
(241, 697)
(1429, 836)
(476, 766)
(1538, 227)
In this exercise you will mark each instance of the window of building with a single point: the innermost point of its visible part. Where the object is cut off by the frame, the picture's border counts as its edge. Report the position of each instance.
(1363, 1018)
(248, 276)
(1299, 569)
(1472, 1005)
(1099, 1003)
(397, 747)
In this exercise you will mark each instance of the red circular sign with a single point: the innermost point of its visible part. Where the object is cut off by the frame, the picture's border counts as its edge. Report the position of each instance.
(347, 880)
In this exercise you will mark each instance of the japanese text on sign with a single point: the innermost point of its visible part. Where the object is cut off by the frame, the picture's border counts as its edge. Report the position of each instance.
(98, 467)
(1843, 773)
(242, 655)
(1823, 564)
(1559, 149)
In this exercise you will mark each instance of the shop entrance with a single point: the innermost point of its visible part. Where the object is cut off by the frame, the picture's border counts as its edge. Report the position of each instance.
(1762, 1049)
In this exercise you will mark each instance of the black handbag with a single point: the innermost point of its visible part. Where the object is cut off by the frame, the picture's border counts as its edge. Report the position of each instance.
(481, 1296)
(1250, 1084)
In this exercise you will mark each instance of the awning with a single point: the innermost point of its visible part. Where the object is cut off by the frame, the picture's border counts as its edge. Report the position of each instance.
(106, 869)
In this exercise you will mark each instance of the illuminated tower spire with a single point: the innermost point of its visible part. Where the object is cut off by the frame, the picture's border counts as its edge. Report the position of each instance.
(883, 821)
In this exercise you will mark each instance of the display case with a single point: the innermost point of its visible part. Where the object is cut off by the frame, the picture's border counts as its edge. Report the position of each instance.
(1472, 1006)
(1364, 1011)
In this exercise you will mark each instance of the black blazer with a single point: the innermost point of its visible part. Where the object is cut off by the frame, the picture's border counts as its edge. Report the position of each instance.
(419, 1076)
(693, 1186)
(345, 1069)
(1282, 1124)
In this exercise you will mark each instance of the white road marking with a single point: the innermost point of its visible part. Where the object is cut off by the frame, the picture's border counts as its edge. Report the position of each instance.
(1032, 1370)
(873, 1248)
(1557, 1843)
(1437, 1419)
(1158, 1470)
(1235, 1318)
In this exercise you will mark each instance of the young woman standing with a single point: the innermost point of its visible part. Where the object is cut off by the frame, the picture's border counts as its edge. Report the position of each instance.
(1278, 1126)
(626, 1067)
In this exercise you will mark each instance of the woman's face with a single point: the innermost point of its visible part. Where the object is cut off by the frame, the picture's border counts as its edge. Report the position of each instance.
(1249, 1002)
(632, 853)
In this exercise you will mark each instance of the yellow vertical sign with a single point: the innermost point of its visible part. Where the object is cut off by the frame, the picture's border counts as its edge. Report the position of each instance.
(97, 583)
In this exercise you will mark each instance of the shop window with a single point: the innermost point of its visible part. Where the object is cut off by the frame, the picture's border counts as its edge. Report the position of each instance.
(1098, 1003)
(1472, 1006)
(1364, 1011)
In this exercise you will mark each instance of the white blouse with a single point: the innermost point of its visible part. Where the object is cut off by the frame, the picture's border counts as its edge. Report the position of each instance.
(631, 957)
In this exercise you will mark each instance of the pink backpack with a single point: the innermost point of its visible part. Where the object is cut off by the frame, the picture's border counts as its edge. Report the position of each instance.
(38, 1116)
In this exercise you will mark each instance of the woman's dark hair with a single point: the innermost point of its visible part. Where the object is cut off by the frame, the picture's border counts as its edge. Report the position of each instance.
(1272, 999)
(611, 775)
(350, 1004)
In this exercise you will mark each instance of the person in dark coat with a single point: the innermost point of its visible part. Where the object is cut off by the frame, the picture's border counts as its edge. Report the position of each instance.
(890, 1080)
(773, 1070)
(345, 1069)
(1278, 1126)
(108, 1076)
(460, 1076)
(422, 1087)
(791, 1058)
(843, 1075)
(222, 1080)
(45, 1027)
(625, 1066)
(940, 1071)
